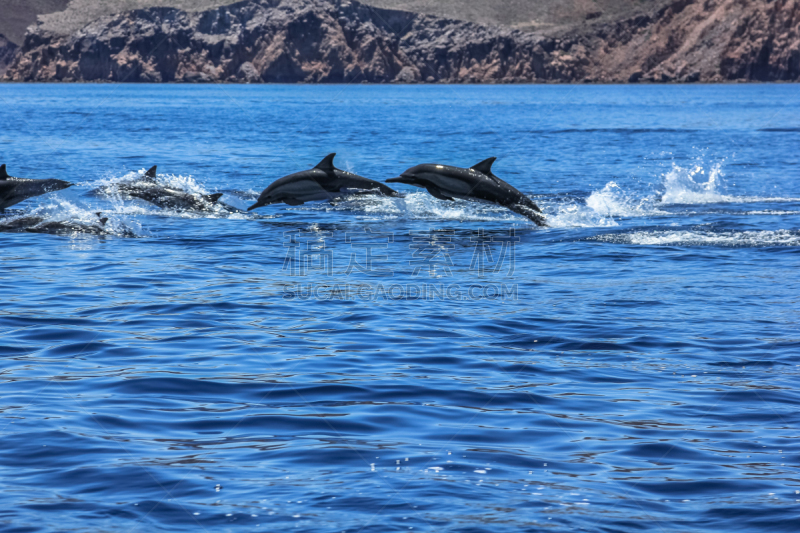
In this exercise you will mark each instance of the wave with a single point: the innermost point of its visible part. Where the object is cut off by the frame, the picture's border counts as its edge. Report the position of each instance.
(737, 239)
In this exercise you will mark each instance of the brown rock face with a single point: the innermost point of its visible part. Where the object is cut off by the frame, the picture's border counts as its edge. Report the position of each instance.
(320, 41)
(694, 40)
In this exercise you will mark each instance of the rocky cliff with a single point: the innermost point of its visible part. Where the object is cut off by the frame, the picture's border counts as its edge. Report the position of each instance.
(340, 41)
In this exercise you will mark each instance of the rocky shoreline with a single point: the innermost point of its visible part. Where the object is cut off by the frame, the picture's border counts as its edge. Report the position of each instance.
(319, 41)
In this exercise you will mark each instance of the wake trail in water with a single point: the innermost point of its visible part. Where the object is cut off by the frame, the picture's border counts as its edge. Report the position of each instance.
(735, 239)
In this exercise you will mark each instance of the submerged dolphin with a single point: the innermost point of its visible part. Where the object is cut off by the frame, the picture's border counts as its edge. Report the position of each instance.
(150, 190)
(475, 184)
(323, 182)
(15, 190)
(41, 224)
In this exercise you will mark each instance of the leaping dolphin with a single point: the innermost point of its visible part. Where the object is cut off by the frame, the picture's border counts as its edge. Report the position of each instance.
(323, 182)
(475, 184)
(42, 224)
(149, 190)
(15, 190)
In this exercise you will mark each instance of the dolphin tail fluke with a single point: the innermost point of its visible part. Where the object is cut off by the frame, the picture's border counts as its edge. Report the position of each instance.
(527, 210)
(212, 198)
(3, 173)
(485, 166)
(151, 173)
(327, 163)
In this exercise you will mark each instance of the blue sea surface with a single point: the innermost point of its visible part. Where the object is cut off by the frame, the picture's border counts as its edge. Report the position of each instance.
(405, 364)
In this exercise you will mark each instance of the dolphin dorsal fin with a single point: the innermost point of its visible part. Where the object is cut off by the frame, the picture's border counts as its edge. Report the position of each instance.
(3, 173)
(103, 219)
(151, 173)
(327, 163)
(212, 198)
(485, 166)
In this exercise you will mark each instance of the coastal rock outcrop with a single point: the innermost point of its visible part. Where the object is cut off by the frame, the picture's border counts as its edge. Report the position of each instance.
(341, 41)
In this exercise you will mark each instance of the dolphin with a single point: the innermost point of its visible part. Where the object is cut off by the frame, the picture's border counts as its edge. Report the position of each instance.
(150, 190)
(15, 190)
(323, 182)
(475, 184)
(41, 224)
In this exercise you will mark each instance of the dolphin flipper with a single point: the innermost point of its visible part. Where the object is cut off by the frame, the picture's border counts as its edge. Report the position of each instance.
(293, 201)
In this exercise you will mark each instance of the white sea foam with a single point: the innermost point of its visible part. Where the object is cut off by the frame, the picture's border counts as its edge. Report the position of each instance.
(704, 238)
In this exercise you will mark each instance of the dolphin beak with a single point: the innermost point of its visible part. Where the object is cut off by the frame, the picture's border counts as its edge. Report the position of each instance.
(254, 206)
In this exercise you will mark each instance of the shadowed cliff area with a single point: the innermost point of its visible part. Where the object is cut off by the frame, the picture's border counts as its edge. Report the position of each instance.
(319, 41)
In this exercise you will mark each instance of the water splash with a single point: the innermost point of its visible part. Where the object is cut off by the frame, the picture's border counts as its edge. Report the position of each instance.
(682, 186)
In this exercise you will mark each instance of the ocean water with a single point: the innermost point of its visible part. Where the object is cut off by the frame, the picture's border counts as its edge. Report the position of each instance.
(405, 364)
